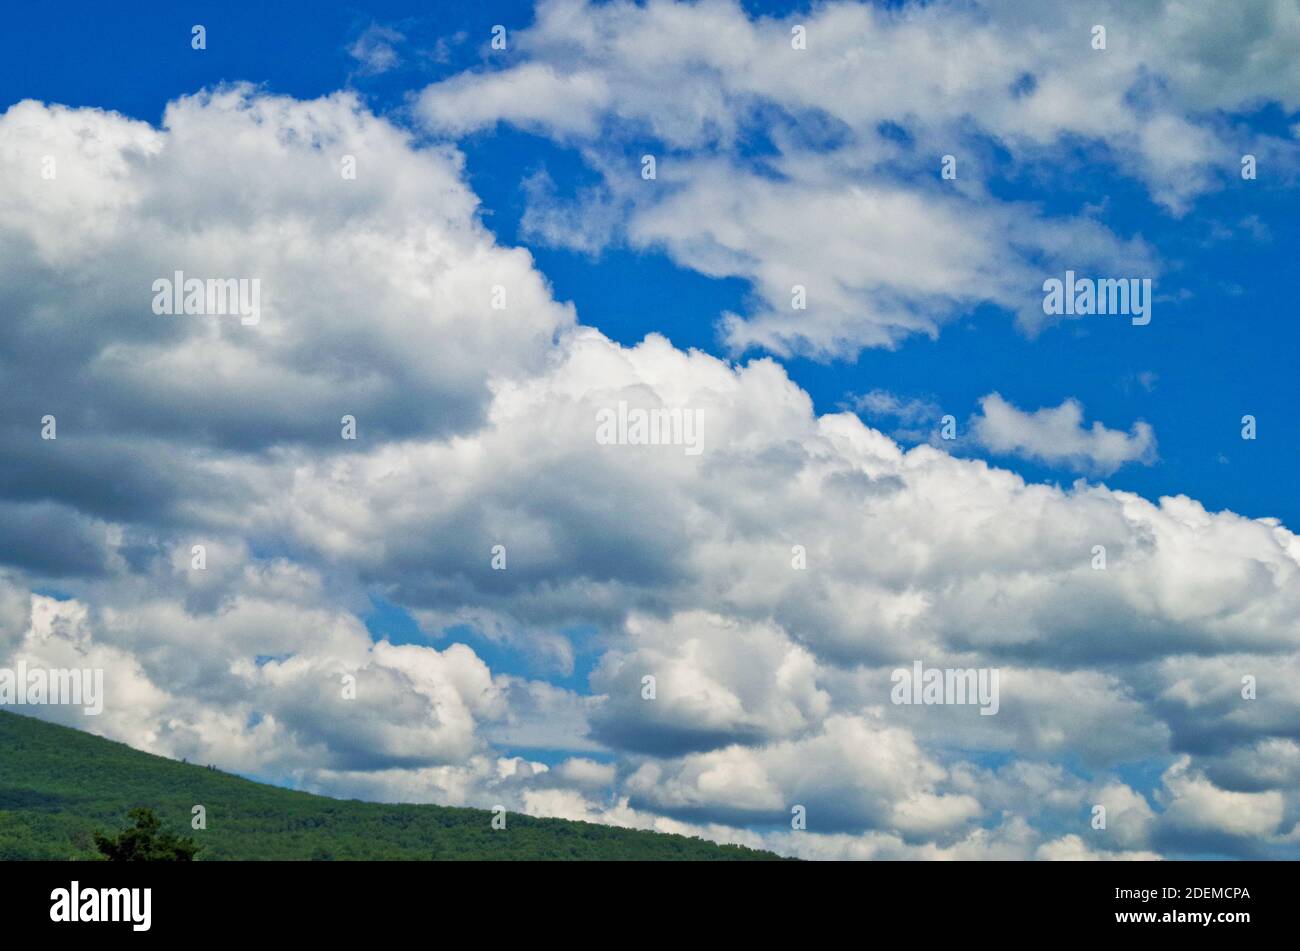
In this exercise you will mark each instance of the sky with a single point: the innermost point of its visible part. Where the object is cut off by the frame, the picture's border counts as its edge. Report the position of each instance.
(914, 463)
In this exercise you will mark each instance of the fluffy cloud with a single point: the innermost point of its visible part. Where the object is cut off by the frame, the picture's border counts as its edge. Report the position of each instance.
(716, 681)
(375, 50)
(1197, 811)
(1057, 436)
(376, 292)
(852, 774)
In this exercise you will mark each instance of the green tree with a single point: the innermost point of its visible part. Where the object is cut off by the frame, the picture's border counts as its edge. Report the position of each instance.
(146, 842)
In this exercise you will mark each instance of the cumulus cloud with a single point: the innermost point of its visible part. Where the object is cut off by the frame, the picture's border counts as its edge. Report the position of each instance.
(715, 681)
(851, 774)
(390, 269)
(1056, 436)
(1221, 819)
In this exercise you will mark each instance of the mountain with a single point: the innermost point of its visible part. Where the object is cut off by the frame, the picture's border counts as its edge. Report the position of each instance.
(58, 786)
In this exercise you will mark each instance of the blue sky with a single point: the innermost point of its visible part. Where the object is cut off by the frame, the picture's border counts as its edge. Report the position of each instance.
(1125, 691)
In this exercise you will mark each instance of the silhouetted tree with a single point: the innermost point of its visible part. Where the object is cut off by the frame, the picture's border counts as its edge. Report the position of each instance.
(146, 842)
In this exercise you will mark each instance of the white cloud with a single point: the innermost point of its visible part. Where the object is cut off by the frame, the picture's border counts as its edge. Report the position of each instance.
(1057, 436)
(376, 49)
(716, 681)
(533, 94)
(1071, 848)
(1196, 804)
(854, 773)
(883, 403)
(390, 269)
